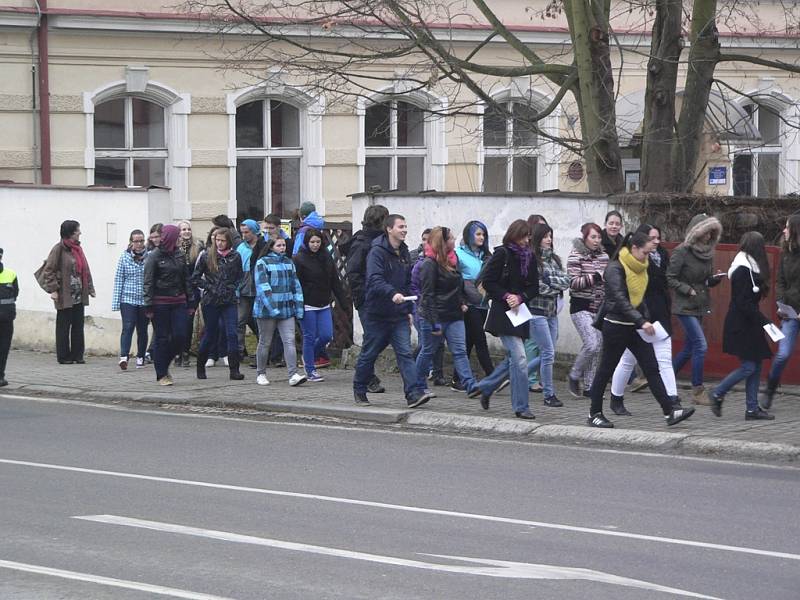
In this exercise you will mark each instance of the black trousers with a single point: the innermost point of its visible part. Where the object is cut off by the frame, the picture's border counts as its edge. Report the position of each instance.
(616, 338)
(474, 319)
(69, 333)
(6, 333)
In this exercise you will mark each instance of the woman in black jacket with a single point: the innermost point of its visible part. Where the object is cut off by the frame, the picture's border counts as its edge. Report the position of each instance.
(166, 289)
(743, 335)
(219, 273)
(510, 279)
(320, 282)
(442, 305)
(622, 315)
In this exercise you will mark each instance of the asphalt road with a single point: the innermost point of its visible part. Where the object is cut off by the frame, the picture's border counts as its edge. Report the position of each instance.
(102, 503)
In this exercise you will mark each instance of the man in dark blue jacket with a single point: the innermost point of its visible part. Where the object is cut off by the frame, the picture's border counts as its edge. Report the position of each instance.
(386, 314)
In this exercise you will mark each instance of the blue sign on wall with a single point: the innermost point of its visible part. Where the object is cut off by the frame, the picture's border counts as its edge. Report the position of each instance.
(718, 176)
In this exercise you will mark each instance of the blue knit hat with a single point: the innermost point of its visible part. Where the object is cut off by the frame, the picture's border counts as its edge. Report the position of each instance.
(252, 226)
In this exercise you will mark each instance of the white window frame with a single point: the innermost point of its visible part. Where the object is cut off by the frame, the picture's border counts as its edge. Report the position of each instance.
(547, 171)
(177, 107)
(434, 151)
(311, 151)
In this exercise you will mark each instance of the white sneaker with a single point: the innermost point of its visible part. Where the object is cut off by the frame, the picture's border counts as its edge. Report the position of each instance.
(297, 379)
(210, 363)
(225, 361)
(262, 380)
(123, 362)
(139, 362)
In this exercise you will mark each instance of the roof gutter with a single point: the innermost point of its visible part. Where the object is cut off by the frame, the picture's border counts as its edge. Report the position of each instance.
(44, 93)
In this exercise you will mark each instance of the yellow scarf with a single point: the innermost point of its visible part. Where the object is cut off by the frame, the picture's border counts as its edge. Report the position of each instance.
(635, 276)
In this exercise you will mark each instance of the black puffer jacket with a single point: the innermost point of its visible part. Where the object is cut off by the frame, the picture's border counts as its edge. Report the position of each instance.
(617, 304)
(787, 288)
(442, 293)
(218, 287)
(502, 275)
(318, 277)
(657, 296)
(165, 276)
(357, 263)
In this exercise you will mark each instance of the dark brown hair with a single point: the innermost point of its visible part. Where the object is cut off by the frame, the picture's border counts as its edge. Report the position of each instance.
(516, 231)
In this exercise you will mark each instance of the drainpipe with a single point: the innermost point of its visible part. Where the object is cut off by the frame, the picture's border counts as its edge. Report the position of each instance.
(44, 94)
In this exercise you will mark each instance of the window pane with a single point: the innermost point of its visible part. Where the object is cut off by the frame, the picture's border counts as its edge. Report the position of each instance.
(284, 125)
(377, 130)
(768, 167)
(411, 174)
(249, 189)
(285, 186)
(376, 172)
(148, 124)
(148, 171)
(110, 171)
(250, 125)
(524, 125)
(524, 174)
(410, 125)
(494, 128)
(494, 174)
(743, 175)
(769, 125)
(109, 124)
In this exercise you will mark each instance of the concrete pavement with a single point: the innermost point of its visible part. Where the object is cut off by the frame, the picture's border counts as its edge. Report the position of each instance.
(730, 437)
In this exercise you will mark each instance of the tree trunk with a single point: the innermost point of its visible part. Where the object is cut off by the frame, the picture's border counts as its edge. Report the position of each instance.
(658, 131)
(703, 57)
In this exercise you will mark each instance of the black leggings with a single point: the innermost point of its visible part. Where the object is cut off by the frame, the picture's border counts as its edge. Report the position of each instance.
(69, 333)
(616, 338)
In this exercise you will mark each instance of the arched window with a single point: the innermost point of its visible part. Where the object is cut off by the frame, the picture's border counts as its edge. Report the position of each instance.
(396, 146)
(268, 158)
(130, 143)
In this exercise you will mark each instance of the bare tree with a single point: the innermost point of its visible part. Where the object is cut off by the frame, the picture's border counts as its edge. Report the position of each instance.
(353, 48)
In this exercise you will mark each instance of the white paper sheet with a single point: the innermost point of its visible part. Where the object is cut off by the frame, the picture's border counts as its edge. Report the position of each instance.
(660, 334)
(409, 298)
(519, 315)
(787, 311)
(775, 334)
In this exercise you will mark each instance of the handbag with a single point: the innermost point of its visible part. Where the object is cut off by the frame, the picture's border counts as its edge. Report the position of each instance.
(38, 274)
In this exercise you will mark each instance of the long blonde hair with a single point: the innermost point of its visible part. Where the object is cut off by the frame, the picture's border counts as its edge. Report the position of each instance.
(195, 245)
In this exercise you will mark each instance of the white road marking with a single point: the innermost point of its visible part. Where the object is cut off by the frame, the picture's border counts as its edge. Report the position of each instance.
(110, 581)
(496, 568)
(404, 508)
(384, 430)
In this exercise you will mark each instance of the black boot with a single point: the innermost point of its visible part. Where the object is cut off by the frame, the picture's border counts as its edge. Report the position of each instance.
(769, 394)
(618, 406)
(201, 365)
(233, 364)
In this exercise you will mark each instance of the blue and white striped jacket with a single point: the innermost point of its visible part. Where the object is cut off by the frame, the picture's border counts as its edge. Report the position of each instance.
(128, 282)
(278, 291)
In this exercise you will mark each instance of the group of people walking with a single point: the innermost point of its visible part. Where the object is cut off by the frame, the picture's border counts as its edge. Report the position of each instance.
(623, 291)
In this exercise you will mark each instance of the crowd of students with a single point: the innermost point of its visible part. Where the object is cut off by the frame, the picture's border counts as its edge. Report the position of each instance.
(453, 289)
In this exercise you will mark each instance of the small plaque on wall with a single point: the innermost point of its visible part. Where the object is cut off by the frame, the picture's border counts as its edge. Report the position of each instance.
(575, 171)
(717, 175)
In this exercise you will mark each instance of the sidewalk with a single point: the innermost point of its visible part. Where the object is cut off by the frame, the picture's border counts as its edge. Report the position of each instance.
(100, 379)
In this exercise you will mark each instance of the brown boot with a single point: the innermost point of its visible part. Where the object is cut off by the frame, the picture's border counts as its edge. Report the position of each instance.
(700, 396)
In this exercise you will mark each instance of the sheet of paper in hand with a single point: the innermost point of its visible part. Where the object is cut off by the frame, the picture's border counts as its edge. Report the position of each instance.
(519, 315)
(775, 334)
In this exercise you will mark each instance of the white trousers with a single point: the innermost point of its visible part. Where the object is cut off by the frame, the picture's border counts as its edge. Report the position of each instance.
(622, 373)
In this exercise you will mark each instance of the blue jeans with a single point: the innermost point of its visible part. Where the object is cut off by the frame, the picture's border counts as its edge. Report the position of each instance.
(455, 334)
(749, 370)
(694, 347)
(133, 318)
(544, 331)
(378, 335)
(169, 325)
(532, 352)
(227, 316)
(517, 364)
(317, 326)
(789, 328)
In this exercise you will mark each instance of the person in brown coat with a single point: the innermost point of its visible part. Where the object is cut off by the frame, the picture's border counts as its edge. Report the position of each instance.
(68, 280)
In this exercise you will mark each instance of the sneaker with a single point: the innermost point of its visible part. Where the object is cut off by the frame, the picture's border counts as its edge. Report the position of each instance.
(599, 420)
(262, 379)
(123, 363)
(139, 363)
(439, 381)
(485, 400)
(678, 414)
(553, 401)
(418, 399)
(147, 358)
(766, 398)
(525, 414)
(639, 384)
(375, 387)
(165, 380)
(758, 414)
(297, 379)
(574, 387)
(503, 385)
(361, 399)
(476, 391)
(315, 377)
(225, 361)
(322, 363)
(210, 363)
(457, 386)
(536, 388)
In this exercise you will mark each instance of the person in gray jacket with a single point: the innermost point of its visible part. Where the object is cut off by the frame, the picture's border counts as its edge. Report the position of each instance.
(690, 275)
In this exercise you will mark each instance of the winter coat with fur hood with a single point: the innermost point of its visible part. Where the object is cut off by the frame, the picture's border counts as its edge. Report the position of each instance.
(691, 267)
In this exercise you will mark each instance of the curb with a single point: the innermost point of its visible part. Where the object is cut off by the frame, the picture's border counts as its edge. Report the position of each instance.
(679, 443)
